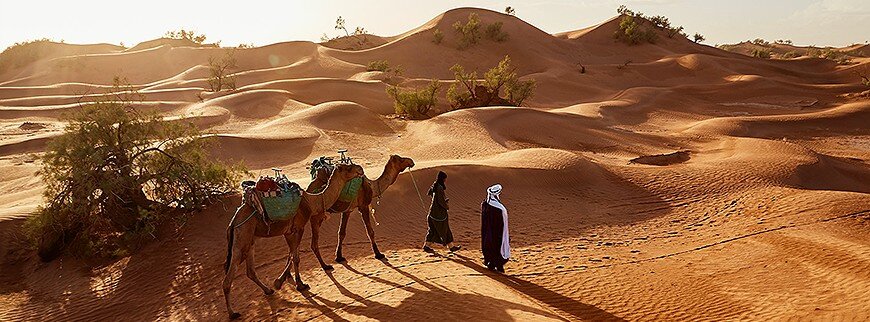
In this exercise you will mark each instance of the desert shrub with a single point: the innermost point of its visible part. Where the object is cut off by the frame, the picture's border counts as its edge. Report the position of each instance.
(783, 42)
(23, 53)
(438, 36)
(246, 46)
(761, 53)
(500, 79)
(836, 55)
(414, 103)
(469, 32)
(698, 37)
(791, 54)
(632, 31)
(493, 32)
(186, 35)
(510, 11)
(761, 42)
(116, 173)
(378, 65)
(220, 72)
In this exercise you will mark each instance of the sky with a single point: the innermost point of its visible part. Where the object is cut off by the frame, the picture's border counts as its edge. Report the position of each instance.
(806, 22)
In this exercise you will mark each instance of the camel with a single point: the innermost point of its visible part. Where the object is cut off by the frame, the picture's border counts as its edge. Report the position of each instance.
(246, 227)
(371, 189)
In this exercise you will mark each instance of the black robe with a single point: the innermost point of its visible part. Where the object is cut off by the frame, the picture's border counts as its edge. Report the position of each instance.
(491, 229)
(439, 229)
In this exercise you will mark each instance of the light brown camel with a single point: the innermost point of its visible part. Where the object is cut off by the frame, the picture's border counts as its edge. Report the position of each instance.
(371, 189)
(247, 226)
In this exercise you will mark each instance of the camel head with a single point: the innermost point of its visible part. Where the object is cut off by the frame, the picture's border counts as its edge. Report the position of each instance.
(348, 171)
(401, 163)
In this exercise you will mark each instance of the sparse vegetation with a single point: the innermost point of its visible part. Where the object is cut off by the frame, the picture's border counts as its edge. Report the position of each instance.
(783, 42)
(790, 55)
(632, 32)
(360, 34)
(467, 91)
(186, 35)
(378, 65)
(698, 37)
(414, 103)
(116, 173)
(246, 46)
(494, 32)
(761, 42)
(23, 53)
(220, 72)
(761, 53)
(510, 11)
(438, 36)
(469, 32)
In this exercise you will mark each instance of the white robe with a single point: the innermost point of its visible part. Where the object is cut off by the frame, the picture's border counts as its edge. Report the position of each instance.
(492, 200)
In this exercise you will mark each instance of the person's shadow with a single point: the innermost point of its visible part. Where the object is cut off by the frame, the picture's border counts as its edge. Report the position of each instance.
(427, 302)
(576, 309)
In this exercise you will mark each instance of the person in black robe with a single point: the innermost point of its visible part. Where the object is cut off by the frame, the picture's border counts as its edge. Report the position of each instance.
(495, 240)
(439, 227)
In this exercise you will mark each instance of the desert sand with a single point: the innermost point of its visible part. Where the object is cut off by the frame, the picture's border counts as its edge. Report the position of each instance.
(691, 184)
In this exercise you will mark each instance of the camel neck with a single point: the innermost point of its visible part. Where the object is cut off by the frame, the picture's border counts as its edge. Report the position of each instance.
(387, 178)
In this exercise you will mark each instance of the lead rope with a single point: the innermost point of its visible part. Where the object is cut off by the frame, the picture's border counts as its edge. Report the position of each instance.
(377, 203)
(422, 206)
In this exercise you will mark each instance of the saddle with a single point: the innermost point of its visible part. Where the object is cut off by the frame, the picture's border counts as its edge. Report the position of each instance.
(350, 190)
(275, 198)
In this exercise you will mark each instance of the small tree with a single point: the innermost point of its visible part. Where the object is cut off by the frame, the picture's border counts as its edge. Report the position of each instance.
(378, 65)
(469, 33)
(632, 31)
(510, 11)
(415, 103)
(220, 72)
(438, 36)
(761, 53)
(698, 37)
(468, 80)
(117, 172)
(339, 25)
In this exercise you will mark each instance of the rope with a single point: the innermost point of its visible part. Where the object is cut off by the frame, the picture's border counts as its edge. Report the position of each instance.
(422, 206)
(246, 219)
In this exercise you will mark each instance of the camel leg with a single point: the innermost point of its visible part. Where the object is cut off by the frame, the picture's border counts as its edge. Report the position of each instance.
(286, 271)
(366, 217)
(315, 241)
(342, 233)
(252, 274)
(295, 247)
(243, 236)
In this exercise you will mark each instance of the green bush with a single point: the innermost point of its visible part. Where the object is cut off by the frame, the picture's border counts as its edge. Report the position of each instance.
(488, 92)
(761, 53)
(378, 65)
(493, 32)
(632, 31)
(469, 33)
(414, 103)
(116, 173)
(438, 36)
(22, 53)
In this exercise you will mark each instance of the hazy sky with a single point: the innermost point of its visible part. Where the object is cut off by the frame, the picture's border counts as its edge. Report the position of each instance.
(806, 22)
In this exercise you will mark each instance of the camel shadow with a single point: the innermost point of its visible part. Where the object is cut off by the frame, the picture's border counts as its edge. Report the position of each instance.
(576, 309)
(427, 302)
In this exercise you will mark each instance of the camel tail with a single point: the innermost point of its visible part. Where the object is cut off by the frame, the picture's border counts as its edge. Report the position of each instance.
(231, 236)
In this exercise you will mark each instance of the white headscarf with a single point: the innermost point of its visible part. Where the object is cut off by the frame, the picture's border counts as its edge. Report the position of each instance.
(493, 200)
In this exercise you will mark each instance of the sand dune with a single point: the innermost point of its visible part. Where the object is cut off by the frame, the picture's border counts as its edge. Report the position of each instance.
(670, 181)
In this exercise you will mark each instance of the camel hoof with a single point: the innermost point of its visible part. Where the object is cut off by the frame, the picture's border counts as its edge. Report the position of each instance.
(380, 256)
(269, 292)
(302, 287)
(327, 268)
(340, 259)
(235, 315)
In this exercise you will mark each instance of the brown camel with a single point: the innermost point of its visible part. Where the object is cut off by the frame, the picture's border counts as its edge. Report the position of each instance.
(371, 189)
(246, 227)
